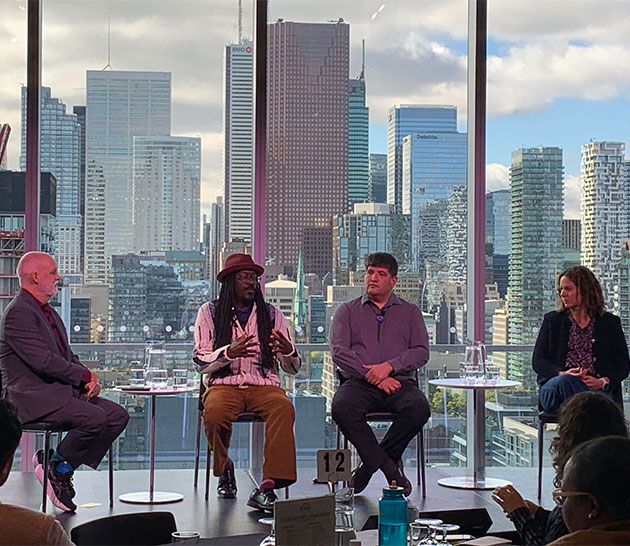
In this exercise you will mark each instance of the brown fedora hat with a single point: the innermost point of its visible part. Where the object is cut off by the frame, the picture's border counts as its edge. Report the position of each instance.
(239, 262)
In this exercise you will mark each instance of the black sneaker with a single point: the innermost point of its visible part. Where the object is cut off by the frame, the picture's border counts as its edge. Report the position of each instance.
(60, 489)
(38, 456)
(262, 500)
(226, 489)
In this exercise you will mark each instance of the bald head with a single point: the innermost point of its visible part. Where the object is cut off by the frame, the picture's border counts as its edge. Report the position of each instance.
(38, 275)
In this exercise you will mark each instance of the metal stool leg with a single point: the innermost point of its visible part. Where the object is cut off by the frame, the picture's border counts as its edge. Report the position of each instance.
(197, 448)
(422, 464)
(111, 477)
(541, 433)
(207, 472)
(45, 469)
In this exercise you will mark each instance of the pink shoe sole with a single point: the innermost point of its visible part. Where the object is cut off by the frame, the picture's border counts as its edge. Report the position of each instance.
(50, 492)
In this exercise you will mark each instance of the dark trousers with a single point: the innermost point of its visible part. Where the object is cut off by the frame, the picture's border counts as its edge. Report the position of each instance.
(356, 397)
(558, 389)
(93, 424)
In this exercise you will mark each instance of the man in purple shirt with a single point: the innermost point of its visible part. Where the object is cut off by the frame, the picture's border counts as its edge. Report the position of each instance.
(47, 381)
(378, 342)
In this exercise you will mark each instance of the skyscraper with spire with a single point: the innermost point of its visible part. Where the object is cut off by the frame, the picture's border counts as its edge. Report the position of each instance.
(358, 140)
(238, 133)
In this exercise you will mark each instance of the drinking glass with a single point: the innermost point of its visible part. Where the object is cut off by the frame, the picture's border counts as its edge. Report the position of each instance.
(429, 532)
(185, 537)
(180, 379)
(158, 379)
(444, 528)
(344, 510)
(472, 373)
(462, 371)
(418, 532)
(136, 377)
(269, 540)
(492, 374)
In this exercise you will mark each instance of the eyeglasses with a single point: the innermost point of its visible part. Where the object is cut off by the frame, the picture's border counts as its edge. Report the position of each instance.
(559, 496)
(252, 277)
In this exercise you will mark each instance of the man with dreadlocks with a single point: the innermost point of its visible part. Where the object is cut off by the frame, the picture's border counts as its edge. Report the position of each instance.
(240, 342)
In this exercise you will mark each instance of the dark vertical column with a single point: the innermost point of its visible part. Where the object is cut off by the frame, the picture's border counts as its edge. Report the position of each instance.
(260, 128)
(33, 82)
(477, 35)
(259, 235)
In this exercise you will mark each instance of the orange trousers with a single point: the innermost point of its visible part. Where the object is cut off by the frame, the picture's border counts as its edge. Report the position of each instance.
(222, 405)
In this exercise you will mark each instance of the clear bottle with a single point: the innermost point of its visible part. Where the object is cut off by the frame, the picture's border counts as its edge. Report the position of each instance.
(392, 517)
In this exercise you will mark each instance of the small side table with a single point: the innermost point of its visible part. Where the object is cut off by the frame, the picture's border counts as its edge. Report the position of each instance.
(476, 432)
(151, 496)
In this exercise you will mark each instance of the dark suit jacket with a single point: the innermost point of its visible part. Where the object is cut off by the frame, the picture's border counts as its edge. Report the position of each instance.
(610, 352)
(37, 376)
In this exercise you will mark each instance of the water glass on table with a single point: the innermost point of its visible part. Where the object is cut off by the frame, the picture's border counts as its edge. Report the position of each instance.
(185, 537)
(136, 377)
(180, 379)
(158, 379)
(492, 374)
(344, 510)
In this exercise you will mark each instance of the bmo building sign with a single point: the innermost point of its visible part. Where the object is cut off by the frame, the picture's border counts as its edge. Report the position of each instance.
(242, 49)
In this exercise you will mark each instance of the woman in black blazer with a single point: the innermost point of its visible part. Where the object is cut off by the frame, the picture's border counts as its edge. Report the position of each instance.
(580, 346)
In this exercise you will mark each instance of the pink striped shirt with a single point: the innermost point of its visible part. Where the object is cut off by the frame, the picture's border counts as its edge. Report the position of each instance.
(245, 371)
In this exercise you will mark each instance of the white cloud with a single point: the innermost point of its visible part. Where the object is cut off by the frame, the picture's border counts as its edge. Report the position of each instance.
(497, 177)
(571, 196)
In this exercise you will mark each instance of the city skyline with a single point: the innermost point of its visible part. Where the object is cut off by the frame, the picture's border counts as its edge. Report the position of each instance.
(423, 61)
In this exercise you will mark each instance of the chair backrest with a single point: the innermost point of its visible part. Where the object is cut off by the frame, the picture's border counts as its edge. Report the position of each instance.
(142, 529)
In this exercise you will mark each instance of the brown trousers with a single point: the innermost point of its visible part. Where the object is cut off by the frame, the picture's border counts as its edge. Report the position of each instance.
(222, 405)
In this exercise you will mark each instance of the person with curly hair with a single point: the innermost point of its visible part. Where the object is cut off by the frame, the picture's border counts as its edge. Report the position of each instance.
(241, 343)
(580, 346)
(585, 416)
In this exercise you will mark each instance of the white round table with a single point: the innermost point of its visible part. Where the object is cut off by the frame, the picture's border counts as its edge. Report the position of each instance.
(476, 432)
(151, 496)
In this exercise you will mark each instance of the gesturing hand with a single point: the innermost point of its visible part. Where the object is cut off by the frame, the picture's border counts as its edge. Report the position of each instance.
(243, 346)
(92, 389)
(377, 372)
(508, 498)
(389, 385)
(279, 343)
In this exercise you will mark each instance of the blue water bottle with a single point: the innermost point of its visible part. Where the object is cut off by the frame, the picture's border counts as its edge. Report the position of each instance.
(392, 517)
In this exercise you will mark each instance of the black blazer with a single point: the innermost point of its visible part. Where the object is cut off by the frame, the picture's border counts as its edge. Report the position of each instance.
(37, 376)
(610, 352)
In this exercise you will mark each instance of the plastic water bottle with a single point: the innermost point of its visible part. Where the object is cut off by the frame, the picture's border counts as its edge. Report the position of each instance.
(392, 517)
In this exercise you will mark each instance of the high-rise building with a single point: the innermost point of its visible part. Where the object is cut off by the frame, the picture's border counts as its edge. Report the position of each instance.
(317, 248)
(406, 119)
(456, 242)
(59, 147)
(215, 243)
(537, 204)
(604, 210)
(377, 178)
(498, 238)
(166, 189)
(12, 204)
(622, 292)
(238, 141)
(571, 233)
(371, 227)
(120, 105)
(433, 163)
(358, 142)
(307, 131)
(80, 112)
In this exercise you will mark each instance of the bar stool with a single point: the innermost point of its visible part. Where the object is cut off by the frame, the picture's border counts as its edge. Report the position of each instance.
(384, 417)
(544, 418)
(48, 429)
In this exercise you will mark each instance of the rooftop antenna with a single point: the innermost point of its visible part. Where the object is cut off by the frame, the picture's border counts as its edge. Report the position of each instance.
(362, 76)
(240, 21)
(109, 44)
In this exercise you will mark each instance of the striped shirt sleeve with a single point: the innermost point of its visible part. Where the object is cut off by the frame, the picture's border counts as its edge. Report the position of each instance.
(207, 359)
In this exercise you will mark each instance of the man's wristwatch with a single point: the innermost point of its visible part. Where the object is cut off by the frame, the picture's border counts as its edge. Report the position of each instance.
(606, 385)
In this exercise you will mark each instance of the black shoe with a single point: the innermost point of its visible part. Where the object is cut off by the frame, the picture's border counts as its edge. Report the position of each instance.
(262, 500)
(38, 456)
(60, 489)
(394, 473)
(360, 478)
(226, 489)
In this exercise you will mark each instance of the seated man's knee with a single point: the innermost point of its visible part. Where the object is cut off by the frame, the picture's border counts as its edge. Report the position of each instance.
(215, 416)
(342, 409)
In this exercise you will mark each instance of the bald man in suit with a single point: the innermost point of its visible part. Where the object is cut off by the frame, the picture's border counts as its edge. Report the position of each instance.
(47, 382)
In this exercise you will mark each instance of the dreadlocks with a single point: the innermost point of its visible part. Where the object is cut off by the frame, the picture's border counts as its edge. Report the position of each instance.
(224, 318)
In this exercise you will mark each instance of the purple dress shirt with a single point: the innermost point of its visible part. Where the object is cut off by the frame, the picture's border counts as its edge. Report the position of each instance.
(361, 333)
